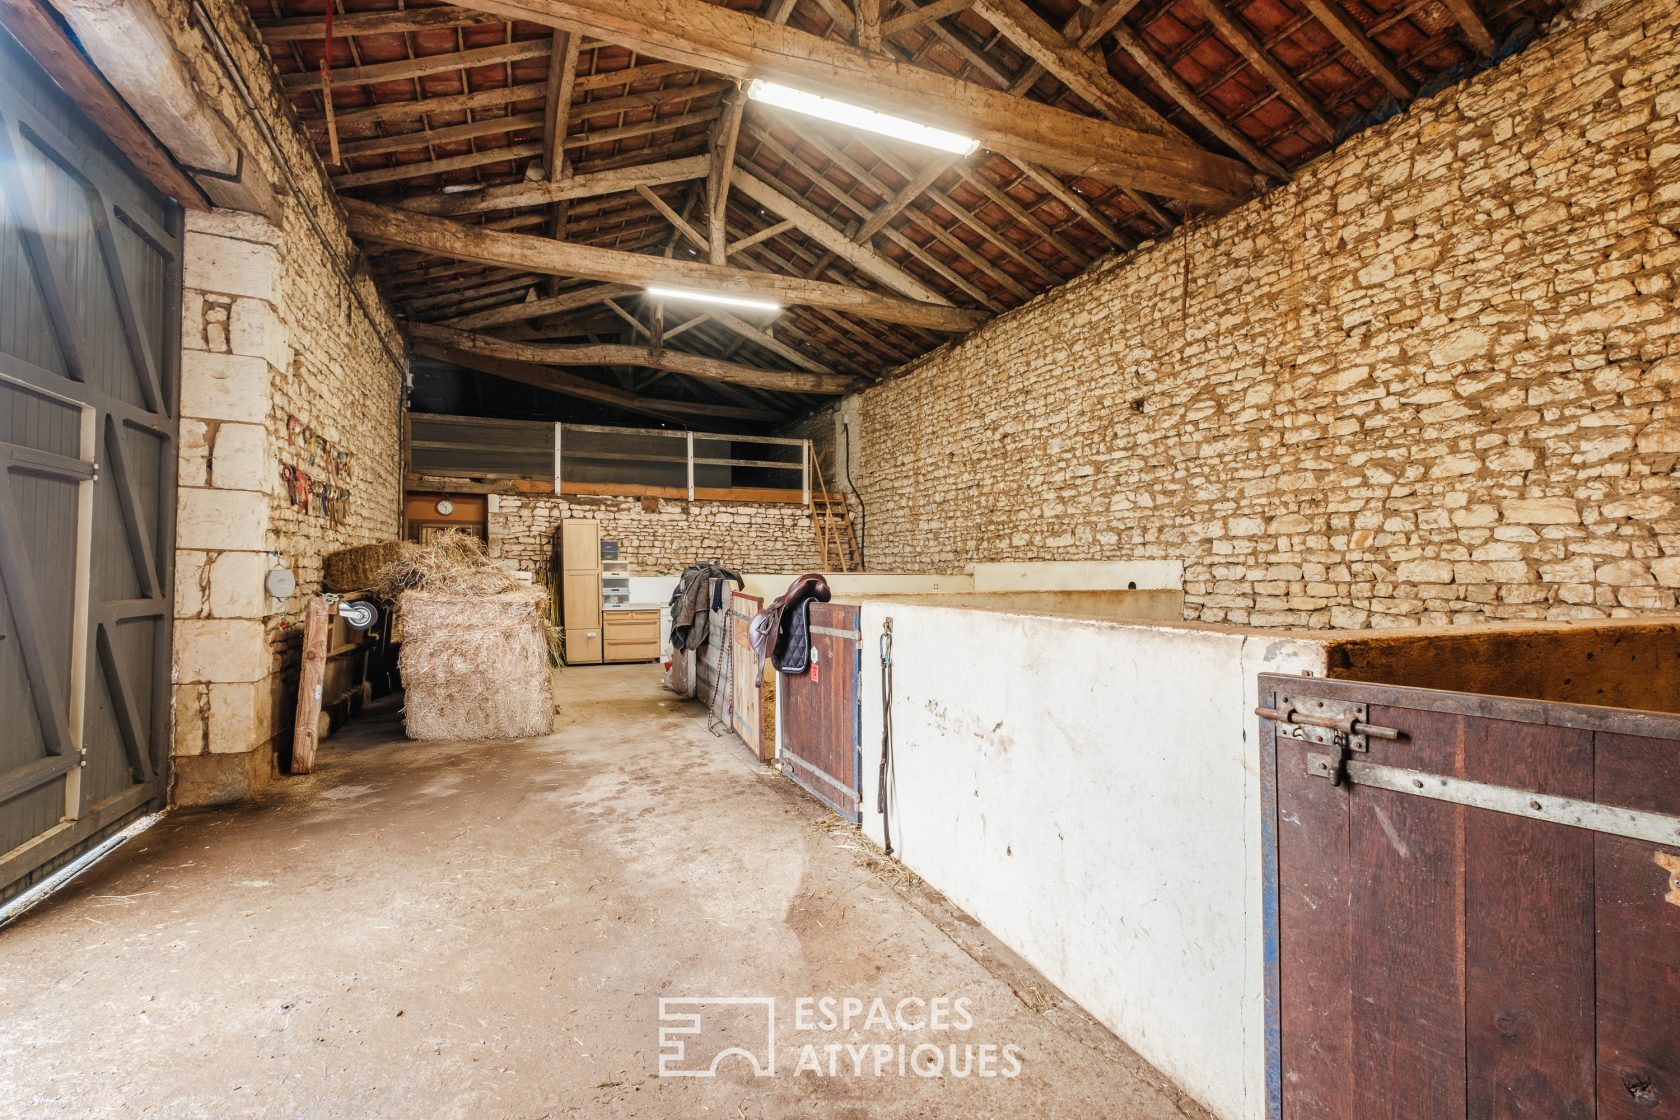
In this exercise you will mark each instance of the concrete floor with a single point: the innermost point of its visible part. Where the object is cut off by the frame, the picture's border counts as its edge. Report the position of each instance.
(486, 929)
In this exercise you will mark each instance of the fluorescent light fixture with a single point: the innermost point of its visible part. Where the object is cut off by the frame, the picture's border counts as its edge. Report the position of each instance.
(828, 109)
(712, 297)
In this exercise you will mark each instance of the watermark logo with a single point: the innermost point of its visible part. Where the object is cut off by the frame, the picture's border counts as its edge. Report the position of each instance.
(698, 1033)
(835, 1036)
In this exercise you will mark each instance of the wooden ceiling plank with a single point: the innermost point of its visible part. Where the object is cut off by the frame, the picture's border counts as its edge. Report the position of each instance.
(744, 46)
(1372, 57)
(474, 243)
(643, 357)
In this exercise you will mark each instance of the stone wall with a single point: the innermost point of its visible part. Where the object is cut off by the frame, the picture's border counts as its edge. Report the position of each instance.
(1431, 380)
(277, 344)
(758, 537)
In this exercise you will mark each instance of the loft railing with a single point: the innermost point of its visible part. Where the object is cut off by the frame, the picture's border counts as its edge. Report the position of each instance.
(587, 459)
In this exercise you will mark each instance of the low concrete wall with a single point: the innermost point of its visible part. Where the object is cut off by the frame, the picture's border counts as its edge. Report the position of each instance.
(1087, 791)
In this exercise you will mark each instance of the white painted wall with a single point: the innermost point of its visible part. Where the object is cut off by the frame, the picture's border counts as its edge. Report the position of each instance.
(1089, 792)
(1080, 575)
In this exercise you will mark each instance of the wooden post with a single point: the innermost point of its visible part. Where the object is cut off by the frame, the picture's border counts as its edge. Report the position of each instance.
(306, 733)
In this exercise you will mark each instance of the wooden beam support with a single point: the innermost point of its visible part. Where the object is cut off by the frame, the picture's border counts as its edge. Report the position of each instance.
(726, 134)
(513, 152)
(1243, 41)
(542, 308)
(1071, 66)
(571, 385)
(588, 185)
(922, 16)
(32, 23)
(868, 34)
(536, 254)
(744, 46)
(678, 222)
(1090, 25)
(403, 69)
(1475, 27)
(349, 24)
(1082, 207)
(426, 106)
(557, 106)
(1179, 90)
(752, 239)
(134, 50)
(768, 341)
(426, 137)
(817, 228)
(1372, 57)
(643, 357)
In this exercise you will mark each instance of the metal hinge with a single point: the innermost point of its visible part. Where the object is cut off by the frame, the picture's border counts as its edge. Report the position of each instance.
(1338, 724)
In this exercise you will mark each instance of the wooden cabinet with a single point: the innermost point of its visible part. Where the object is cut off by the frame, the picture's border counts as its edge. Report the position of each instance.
(580, 599)
(630, 636)
(580, 545)
(583, 645)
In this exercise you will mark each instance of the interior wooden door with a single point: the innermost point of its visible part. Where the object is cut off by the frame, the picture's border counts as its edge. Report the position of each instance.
(1473, 905)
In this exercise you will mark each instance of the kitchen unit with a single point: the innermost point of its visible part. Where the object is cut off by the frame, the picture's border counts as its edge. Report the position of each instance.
(600, 621)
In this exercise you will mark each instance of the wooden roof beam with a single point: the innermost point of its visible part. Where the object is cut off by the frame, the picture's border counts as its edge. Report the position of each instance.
(818, 229)
(642, 357)
(1237, 35)
(474, 243)
(571, 385)
(350, 24)
(1372, 57)
(403, 68)
(1475, 27)
(542, 308)
(589, 184)
(514, 153)
(1179, 90)
(744, 46)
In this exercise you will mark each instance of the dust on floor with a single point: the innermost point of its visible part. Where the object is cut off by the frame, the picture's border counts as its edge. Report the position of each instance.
(487, 930)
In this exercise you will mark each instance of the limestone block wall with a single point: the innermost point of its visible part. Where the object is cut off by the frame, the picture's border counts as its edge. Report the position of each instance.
(759, 536)
(277, 343)
(1432, 380)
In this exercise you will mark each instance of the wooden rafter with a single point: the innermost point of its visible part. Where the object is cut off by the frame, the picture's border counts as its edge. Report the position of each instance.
(644, 357)
(743, 46)
(450, 239)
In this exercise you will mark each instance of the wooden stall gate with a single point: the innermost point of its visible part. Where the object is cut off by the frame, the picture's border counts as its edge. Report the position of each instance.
(818, 716)
(749, 716)
(1472, 905)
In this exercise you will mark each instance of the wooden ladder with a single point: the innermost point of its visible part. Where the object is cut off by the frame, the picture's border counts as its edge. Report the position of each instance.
(837, 542)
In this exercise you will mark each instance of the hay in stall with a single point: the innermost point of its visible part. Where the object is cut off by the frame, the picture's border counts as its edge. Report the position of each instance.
(475, 645)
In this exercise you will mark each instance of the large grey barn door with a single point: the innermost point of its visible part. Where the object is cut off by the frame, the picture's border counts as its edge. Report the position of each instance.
(90, 285)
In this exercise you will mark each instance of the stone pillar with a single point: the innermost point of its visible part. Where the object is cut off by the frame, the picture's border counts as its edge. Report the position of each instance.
(233, 347)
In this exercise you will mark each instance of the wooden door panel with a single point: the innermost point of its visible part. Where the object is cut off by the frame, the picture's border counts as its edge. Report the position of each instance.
(1452, 937)
(1528, 927)
(1638, 932)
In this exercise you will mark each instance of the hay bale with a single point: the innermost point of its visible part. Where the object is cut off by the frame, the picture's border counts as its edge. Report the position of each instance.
(358, 568)
(475, 666)
(454, 563)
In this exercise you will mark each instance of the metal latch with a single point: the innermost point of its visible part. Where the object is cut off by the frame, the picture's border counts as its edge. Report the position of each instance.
(1338, 724)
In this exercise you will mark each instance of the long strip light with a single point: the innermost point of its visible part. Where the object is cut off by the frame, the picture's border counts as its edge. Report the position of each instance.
(840, 112)
(712, 297)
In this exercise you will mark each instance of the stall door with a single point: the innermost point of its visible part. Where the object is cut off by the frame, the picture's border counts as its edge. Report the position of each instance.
(89, 324)
(820, 748)
(1473, 905)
